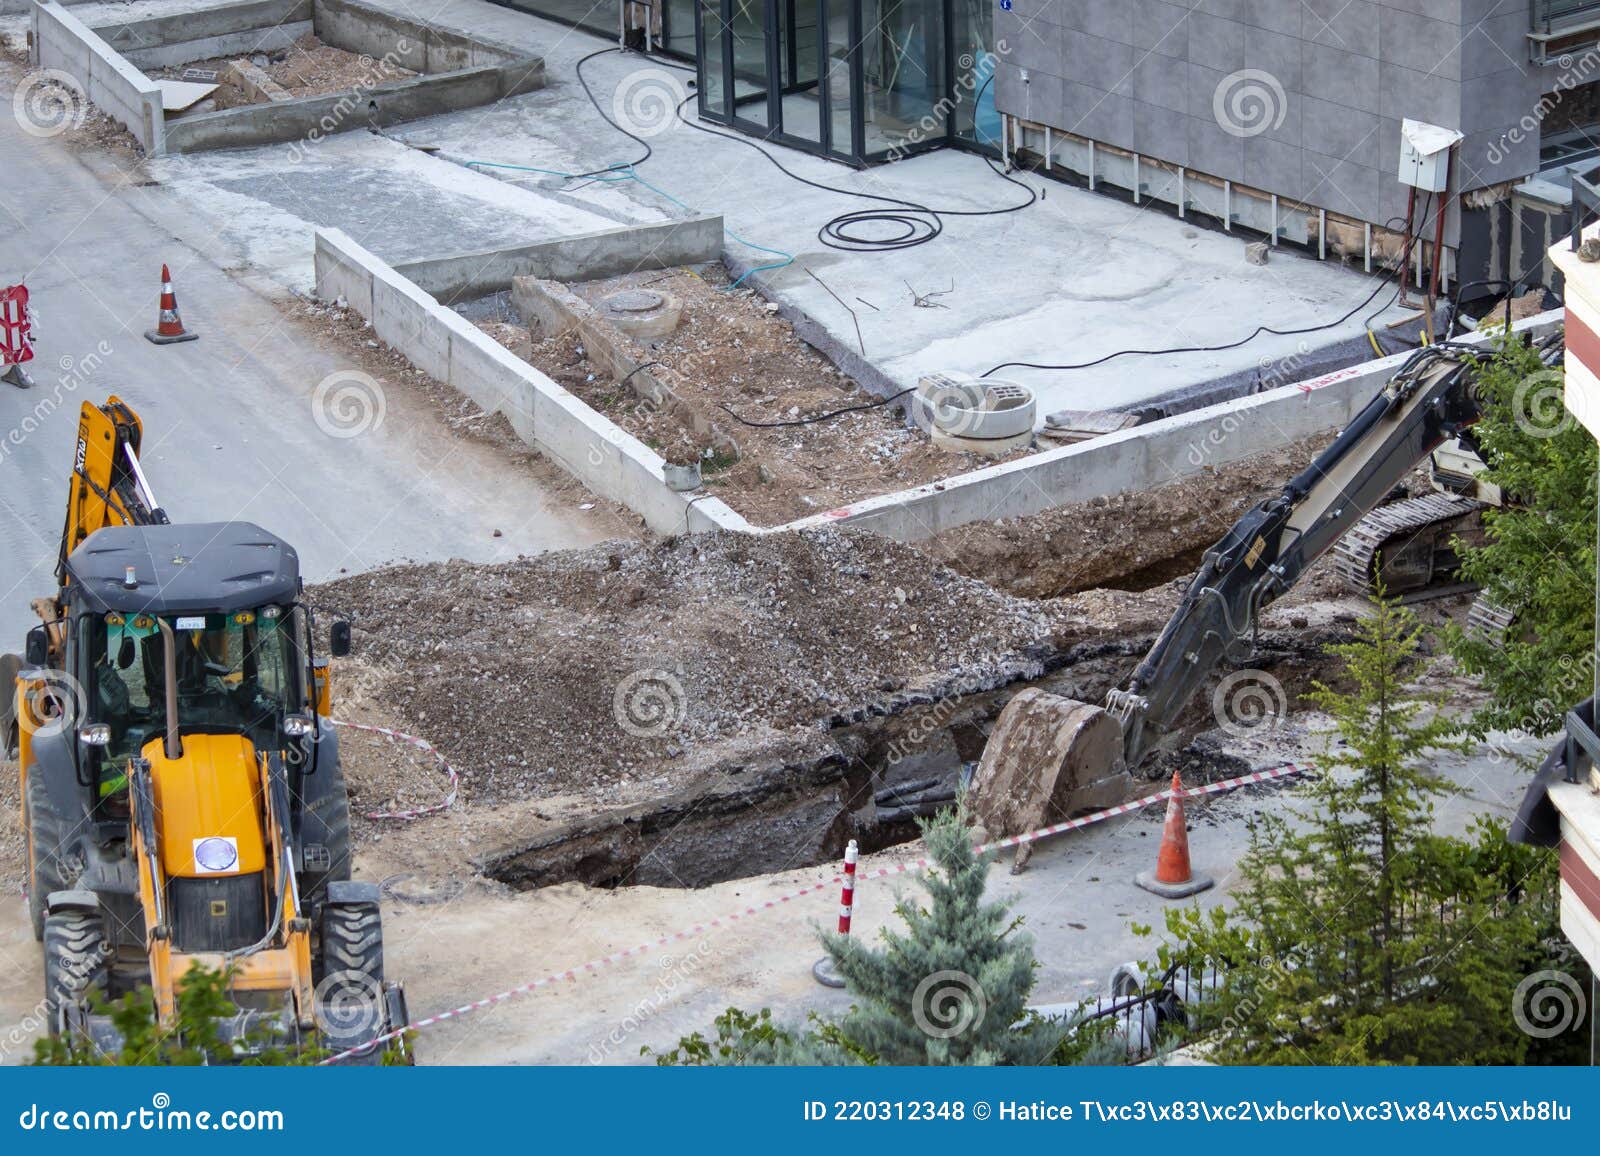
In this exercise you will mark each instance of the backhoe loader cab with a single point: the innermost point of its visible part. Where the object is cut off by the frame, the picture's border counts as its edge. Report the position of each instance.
(182, 793)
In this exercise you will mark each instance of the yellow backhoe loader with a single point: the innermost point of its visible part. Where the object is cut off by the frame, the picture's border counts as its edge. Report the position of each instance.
(181, 786)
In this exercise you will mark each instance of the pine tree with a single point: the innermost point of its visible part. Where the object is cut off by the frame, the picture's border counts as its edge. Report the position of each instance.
(952, 988)
(1539, 555)
(1360, 936)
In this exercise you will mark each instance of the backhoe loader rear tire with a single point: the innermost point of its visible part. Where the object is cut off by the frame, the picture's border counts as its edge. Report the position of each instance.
(74, 963)
(47, 832)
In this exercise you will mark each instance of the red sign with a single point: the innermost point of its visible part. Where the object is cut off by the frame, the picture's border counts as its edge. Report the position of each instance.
(16, 326)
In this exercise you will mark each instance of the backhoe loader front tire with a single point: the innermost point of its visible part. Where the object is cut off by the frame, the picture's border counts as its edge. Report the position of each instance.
(74, 963)
(47, 831)
(351, 1003)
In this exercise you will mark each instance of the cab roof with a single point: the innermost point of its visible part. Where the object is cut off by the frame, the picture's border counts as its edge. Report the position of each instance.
(202, 567)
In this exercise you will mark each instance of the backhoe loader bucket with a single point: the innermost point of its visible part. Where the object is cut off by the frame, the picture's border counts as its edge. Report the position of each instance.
(1047, 758)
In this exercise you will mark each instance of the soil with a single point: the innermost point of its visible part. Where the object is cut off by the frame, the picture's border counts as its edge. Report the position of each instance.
(1134, 540)
(353, 335)
(630, 670)
(308, 67)
(732, 351)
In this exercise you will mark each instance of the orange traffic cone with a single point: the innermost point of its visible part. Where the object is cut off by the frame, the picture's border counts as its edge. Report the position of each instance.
(1173, 878)
(169, 328)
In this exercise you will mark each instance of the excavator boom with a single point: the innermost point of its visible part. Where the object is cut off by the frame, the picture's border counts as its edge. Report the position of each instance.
(1431, 399)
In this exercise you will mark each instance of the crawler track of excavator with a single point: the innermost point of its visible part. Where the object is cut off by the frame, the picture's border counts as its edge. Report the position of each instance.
(1409, 538)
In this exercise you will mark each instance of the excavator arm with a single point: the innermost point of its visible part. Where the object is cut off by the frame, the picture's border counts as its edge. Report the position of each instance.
(1430, 400)
(1048, 756)
(1268, 550)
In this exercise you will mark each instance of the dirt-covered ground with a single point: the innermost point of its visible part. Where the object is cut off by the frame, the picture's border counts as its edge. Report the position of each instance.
(733, 353)
(632, 666)
(1130, 540)
(308, 67)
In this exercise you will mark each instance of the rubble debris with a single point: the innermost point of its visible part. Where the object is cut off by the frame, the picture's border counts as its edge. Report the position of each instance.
(632, 668)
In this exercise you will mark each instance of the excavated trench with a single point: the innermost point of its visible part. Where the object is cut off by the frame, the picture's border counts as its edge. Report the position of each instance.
(867, 779)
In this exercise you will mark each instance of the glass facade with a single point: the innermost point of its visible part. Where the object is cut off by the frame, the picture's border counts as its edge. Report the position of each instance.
(861, 80)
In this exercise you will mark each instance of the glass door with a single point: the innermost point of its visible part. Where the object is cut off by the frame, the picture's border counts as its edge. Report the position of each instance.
(712, 50)
(748, 28)
(799, 50)
(838, 60)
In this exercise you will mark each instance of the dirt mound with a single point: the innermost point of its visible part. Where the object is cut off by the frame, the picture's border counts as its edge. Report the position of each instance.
(642, 666)
(1136, 540)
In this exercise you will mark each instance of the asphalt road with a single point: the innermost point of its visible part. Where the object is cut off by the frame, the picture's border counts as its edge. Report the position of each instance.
(232, 426)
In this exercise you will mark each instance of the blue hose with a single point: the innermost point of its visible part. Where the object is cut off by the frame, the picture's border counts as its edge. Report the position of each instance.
(629, 173)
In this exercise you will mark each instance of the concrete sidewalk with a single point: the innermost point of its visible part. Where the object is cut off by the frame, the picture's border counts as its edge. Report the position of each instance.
(1071, 278)
(231, 425)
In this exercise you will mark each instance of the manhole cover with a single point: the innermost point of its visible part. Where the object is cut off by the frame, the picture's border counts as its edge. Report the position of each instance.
(633, 301)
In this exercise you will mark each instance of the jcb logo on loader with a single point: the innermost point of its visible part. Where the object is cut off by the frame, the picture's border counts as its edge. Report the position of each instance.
(82, 456)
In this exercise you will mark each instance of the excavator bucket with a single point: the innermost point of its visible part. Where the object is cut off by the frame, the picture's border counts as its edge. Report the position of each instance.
(1047, 758)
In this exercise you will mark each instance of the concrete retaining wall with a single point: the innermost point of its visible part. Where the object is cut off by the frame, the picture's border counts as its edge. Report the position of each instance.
(236, 29)
(1141, 458)
(310, 118)
(61, 41)
(373, 32)
(598, 453)
(583, 257)
(460, 72)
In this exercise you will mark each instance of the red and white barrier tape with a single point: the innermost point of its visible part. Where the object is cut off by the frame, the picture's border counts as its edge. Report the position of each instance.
(421, 745)
(594, 965)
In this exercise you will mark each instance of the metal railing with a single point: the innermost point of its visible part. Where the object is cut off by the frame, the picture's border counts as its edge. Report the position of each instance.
(1585, 203)
(1552, 17)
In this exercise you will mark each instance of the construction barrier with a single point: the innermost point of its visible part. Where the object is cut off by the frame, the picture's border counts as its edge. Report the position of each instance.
(1287, 770)
(424, 745)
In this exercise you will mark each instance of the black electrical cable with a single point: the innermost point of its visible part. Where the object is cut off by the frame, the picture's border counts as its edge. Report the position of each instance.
(1257, 332)
(917, 223)
(816, 417)
(640, 141)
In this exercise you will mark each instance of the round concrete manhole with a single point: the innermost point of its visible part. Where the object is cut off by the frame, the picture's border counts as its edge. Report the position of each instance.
(633, 301)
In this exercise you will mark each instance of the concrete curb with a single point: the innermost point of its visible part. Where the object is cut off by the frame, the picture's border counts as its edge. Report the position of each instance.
(62, 42)
(607, 459)
(458, 71)
(1140, 458)
(583, 256)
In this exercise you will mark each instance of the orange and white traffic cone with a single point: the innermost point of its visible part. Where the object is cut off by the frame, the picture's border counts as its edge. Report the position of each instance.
(169, 328)
(1173, 878)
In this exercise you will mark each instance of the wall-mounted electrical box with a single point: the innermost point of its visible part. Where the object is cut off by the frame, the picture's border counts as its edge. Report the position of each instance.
(1425, 155)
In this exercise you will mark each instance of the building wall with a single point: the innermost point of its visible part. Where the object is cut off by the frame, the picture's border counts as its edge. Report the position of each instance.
(1302, 98)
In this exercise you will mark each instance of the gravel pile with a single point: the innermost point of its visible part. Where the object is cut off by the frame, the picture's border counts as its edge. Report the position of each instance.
(643, 665)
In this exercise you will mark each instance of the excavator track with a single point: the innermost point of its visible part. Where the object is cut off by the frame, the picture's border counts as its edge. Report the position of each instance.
(1390, 528)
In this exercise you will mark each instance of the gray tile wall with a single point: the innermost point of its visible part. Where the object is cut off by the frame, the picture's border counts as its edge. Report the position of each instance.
(1313, 90)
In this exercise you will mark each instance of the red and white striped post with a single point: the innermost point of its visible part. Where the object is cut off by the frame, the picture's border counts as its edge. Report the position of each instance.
(824, 971)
